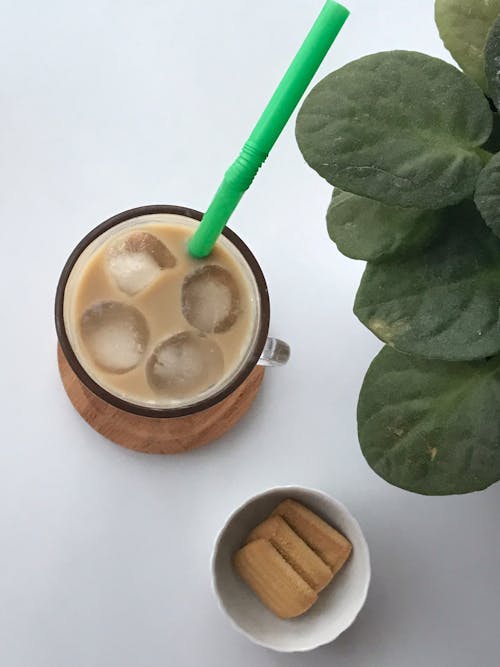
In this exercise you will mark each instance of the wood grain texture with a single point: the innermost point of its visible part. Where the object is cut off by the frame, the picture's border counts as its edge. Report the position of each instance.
(159, 436)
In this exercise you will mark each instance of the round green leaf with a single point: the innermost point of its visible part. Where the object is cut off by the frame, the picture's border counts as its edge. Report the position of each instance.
(366, 229)
(492, 63)
(400, 127)
(432, 427)
(443, 303)
(464, 26)
(488, 194)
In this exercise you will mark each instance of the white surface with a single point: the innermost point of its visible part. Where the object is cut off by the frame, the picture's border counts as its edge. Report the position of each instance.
(104, 555)
(338, 604)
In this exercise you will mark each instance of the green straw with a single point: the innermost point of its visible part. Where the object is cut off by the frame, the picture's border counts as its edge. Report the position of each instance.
(241, 173)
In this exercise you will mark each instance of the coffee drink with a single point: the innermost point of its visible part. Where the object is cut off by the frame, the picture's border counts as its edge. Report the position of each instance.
(154, 326)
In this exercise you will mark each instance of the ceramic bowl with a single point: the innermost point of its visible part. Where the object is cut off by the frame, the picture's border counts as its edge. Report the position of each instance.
(338, 604)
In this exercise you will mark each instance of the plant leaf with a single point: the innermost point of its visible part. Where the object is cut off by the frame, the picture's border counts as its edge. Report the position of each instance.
(366, 229)
(400, 127)
(492, 63)
(443, 303)
(432, 427)
(464, 26)
(487, 195)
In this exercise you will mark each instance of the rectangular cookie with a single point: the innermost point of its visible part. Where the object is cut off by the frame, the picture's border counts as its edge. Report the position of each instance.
(294, 550)
(273, 580)
(332, 547)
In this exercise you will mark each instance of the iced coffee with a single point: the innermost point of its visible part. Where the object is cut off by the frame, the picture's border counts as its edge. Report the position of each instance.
(154, 326)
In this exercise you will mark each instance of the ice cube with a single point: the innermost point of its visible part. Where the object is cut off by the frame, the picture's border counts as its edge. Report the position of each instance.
(115, 335)
(136, 260)
(185, 365)
(210, 299)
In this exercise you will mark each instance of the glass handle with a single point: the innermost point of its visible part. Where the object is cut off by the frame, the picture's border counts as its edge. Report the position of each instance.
(275, 353)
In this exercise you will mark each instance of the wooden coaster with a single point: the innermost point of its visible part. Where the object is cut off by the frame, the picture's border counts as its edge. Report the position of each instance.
(159, 436)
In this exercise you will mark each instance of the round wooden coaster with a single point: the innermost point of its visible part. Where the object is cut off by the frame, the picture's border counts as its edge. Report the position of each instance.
(159, 436)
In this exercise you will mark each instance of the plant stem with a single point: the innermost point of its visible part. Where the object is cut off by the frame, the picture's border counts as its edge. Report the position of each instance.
(484, 155)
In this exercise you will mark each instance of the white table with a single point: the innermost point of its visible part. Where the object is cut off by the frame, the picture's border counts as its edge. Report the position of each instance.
(104, 557)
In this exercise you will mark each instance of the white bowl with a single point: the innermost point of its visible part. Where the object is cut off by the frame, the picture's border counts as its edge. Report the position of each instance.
(338, 604)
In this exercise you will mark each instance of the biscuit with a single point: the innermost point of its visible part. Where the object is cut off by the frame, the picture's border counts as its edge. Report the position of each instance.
(273, 580)
(294, 550)
(332, 547)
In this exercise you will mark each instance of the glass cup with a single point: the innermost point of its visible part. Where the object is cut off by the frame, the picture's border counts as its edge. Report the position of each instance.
(107, 411)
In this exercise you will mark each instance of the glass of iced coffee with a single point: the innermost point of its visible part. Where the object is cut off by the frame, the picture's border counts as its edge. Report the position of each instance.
(154, 344)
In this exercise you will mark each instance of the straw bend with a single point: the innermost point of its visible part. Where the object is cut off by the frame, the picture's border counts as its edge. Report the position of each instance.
(244, 169)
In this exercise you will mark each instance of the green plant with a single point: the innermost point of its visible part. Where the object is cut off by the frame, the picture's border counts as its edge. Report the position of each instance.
(411, 145)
